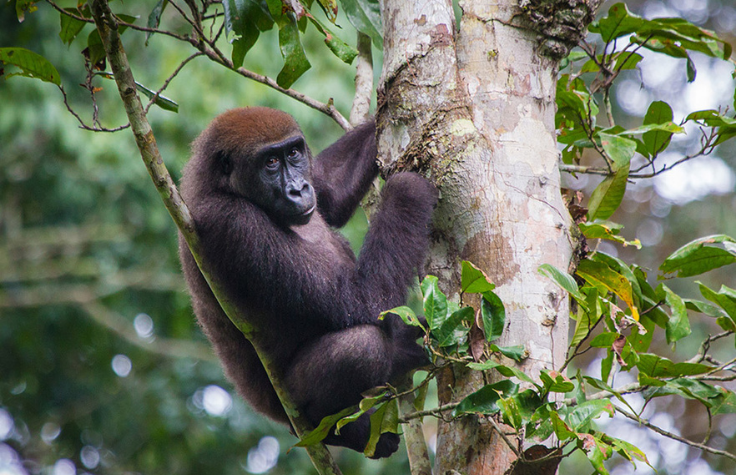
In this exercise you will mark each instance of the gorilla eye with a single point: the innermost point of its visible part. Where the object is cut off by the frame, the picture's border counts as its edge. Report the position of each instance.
(293, 152)
(272, 162)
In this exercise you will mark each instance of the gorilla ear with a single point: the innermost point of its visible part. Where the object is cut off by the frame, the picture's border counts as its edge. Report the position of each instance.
(224, 162)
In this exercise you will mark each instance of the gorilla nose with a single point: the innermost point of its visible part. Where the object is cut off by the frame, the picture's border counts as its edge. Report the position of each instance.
(295, 191)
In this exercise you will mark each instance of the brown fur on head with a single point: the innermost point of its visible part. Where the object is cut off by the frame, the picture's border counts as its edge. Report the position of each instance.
(242, 130)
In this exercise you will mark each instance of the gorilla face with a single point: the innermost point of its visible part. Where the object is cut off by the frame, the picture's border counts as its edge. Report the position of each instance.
(277, 177)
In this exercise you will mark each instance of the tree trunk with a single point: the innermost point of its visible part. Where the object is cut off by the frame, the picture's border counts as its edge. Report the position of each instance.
(473, 106)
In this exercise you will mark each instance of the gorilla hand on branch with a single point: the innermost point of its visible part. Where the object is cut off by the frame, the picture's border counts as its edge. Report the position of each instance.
(252, 190)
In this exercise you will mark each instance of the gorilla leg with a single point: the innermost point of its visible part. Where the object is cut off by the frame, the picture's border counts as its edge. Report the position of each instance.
(331, 373)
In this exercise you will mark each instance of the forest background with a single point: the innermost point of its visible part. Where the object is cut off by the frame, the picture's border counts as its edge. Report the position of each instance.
(102, 367)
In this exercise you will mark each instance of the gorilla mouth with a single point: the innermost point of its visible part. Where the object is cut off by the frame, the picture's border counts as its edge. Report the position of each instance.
(309, 211)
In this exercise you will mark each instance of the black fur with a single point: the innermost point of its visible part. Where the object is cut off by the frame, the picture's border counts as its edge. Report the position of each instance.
(317, 305)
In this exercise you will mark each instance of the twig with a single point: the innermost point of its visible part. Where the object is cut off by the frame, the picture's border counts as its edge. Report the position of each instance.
(170, 78)
(672, 436)
(705, 346)
(132, 26)
(435, 412)
(503, 436)
(82, 125)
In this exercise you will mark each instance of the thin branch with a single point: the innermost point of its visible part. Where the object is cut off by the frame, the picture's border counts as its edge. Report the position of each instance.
(214, 54)
(705, 346)
(503, 436)
(132, 26)
(577, 347)
(434, 412)
(672, 436)
(170, 78)
(82, 125)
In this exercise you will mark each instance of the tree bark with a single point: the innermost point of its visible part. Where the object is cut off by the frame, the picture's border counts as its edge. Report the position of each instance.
(471, 104)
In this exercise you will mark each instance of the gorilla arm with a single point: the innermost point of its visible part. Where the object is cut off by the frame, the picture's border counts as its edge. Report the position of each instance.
(344, 171)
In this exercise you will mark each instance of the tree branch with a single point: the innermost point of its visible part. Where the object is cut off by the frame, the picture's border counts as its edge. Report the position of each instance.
(108, 27)
(672, 436)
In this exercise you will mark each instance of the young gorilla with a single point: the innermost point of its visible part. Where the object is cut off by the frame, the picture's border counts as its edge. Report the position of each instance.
(252, 189)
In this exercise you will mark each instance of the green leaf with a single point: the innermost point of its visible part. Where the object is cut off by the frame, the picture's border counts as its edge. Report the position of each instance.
(607, 196)
(508, 371)
(726, 323)
(619, 22)
(520, 408)
(580, 416)
(656, 366)
(698, 256)
(339, 48)
(295, 59)
(564, 280)
(435, 302)
(620, 149)
(601, 229)
(555, 382)
(599, 274)
(95, 48)
(330, 9)
(704, 308)
(70, 27)
(484, 401)
(606, 365)
(447, 333)
(323, 429)
(587, 318)
(678, 326)
(154, 18)
(640, 342)
(597, 451)
(725, 403)
(516, 353)
(31, 65)
(405, 313)
(725, 298)
(598, 384)
(385, 419)
(627, 60)
(562, 430)
(493, 314)
(244, 20)
(629, 451)
(23, 6)
(604, 340)
(659, 112)
(474, 280)
(161, 101)
(365, 16)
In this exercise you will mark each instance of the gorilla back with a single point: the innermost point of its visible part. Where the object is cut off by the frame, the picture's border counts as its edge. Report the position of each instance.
(264, 214)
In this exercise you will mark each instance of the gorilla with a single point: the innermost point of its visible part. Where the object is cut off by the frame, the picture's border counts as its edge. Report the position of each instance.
(265, 211)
